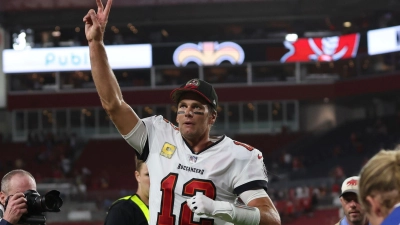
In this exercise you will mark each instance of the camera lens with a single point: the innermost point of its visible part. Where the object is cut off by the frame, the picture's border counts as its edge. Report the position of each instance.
(52, 202)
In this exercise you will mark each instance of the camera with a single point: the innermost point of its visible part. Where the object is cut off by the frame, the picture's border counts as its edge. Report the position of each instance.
(37, 205)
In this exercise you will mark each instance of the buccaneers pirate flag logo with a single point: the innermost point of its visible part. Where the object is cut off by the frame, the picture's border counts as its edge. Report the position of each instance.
(322, 49)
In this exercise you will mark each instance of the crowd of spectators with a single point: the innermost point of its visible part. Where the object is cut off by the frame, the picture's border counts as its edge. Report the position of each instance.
(364, 139)
(200, 32)
(368, 138)
(297, 201)
(294, 202)
(48, 156)
(56, 150)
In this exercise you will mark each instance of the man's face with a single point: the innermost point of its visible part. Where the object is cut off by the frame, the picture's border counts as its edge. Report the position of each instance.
(18, 183)
(193, 116)
(352, 208)
(144, 179)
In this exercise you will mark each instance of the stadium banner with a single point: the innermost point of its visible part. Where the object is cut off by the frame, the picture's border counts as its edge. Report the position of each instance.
(325, 49)
(3, 92)
(213, 53)
(383, 40)
(74, 58)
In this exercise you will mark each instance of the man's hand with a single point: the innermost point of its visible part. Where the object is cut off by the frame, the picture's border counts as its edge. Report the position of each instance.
(201, 204)
(95, 24)
(16, 207)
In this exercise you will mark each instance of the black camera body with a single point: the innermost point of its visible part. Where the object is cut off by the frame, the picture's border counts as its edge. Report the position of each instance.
(37, 205)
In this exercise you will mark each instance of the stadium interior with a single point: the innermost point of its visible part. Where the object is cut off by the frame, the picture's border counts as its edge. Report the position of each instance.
(317, 122)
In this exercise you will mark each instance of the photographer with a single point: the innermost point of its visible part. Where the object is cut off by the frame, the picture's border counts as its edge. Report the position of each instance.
(13, 186)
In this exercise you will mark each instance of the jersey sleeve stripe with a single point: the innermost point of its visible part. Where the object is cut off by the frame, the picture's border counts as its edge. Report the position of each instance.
(145, 152)
(256, 184)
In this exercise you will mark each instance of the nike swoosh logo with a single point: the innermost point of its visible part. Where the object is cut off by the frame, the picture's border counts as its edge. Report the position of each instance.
(259, 156)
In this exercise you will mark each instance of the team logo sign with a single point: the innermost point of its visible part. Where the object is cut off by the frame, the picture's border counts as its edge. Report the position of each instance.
(168, 150)
(193, 82)
(352, 182)
(322, 49)
(208, 53)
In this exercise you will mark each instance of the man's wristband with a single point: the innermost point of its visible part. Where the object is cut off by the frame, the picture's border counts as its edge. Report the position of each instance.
(237, 214)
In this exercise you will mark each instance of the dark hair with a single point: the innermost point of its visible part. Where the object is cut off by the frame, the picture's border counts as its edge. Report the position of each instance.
(211, 109)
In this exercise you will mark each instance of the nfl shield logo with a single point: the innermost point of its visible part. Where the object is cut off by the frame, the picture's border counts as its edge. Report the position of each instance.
(193, 159)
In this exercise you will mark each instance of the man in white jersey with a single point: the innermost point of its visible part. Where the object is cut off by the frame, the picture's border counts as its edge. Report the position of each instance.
(195, 179)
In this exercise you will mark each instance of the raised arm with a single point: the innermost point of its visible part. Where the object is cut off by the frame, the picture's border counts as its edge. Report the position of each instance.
(106, 83)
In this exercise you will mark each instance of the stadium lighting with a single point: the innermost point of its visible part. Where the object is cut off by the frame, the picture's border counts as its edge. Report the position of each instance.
(56, 33)
(291, 37)
(347, 24)
(20, 42)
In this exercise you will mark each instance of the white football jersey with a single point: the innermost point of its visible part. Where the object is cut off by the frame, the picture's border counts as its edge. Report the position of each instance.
(222, 172)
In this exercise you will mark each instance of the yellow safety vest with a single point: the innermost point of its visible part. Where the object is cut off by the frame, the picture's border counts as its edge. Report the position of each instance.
(140, 203)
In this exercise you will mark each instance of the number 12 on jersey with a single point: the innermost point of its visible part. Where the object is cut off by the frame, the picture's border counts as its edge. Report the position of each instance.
(168, 184)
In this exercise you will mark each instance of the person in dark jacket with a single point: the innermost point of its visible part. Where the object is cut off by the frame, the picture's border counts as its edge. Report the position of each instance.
(133, 209)
(12, 198)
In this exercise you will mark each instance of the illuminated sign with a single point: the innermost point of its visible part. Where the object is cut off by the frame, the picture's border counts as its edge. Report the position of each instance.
(208, 53)
(383, 40)
(20, 42)
(322, 49)
(3, 86)
(74, 58)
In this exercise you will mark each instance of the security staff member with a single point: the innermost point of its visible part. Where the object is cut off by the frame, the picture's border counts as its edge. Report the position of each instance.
(133, 209)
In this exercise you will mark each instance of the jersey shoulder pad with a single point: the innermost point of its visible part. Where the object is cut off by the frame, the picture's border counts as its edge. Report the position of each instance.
(160, 120)
(243, 146)
(243, 149)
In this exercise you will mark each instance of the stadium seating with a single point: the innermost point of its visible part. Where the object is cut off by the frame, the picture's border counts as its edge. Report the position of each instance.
(348, 145)
(112, 160)
(267, 143)
(28, 156)
(320, 217)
